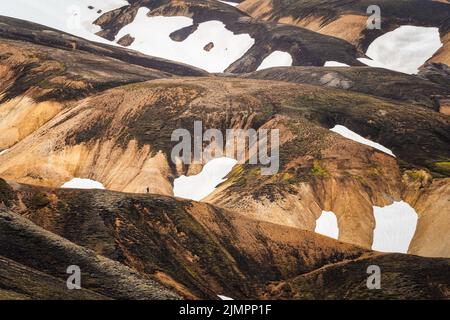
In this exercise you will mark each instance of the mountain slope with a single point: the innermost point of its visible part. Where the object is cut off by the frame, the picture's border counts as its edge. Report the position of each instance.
(18, 282)
(418, 277)
(195, 249)
(91, 100)
(27, 244)
(208, 34)
(43, 71)
(113, 138)
(373, 81)
(347, 19)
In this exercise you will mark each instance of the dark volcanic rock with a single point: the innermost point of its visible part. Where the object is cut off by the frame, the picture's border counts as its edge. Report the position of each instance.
(436, 72)
(126, 40)
(183, 33)
(209, 46)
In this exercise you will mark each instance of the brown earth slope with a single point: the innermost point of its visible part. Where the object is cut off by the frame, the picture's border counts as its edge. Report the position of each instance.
(122, 138)
(43, 71)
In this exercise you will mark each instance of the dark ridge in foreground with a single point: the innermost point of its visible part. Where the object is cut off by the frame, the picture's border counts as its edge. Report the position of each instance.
(126, 243)
(38, 249)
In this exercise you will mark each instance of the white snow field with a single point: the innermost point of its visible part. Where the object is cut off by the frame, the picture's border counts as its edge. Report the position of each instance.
(276, 59)
(405, 49)
(327, 225)
(70, 16)
(151, 33)
(224, 297)
(349, 134)
(228, 47)
(335, 64)
(395, 227)
(199, 186)
(78, 183)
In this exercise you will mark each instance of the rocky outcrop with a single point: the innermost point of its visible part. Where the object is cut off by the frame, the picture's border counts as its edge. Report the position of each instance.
(431, 199)
(126, 40)
(436, 72)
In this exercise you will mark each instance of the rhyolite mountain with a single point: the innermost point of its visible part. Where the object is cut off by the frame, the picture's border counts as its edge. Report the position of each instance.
(347, 19)
(72, 108)
(121, 137)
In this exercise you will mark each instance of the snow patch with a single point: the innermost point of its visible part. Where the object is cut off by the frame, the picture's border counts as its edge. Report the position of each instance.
(224, 297)
(373, 63)
(78, 183)
(335, 64)
(327, 225)
(405, 49)
(70, 16)
(201, 185)
(228, 47)
(276, 59)
(347, 133)
(395, 227)
(234, 4)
